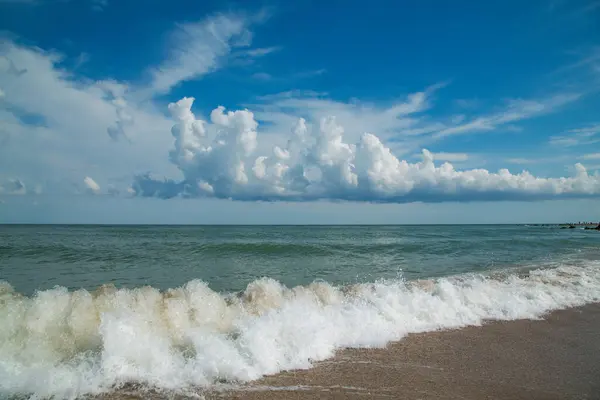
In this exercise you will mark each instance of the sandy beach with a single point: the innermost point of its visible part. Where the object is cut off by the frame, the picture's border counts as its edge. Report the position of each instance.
(554, 358)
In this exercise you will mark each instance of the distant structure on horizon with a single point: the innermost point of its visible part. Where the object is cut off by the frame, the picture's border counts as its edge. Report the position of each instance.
(588, 225)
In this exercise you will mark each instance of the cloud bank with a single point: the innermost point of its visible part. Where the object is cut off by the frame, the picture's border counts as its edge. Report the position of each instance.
(55, 122)
(317, 163)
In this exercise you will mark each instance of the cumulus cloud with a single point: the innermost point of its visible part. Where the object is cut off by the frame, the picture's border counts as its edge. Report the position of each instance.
(452, 157)
(77, 113)
(317, 163)
(91, 185)
(402, 120)
(81, 115)
(404, 124)
(124, 119)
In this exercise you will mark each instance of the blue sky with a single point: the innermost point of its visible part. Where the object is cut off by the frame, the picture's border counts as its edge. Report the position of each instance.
(98, 125)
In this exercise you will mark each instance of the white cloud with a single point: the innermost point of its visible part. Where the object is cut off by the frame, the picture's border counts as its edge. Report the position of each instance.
(319, 164)
(54, 123)
(564, 141)
(197, 48)
(450, 156)
(123, 121)
(516, 110)
(72, 118)
(591, 57)
(80, 60)
(586, 131)
(594, 156)
(264, 76)
(76, 118)
(554, 159)
(577, 137)
(91, 185)
(400, 120)
(595, 167)
(262, 51)
(404, 125)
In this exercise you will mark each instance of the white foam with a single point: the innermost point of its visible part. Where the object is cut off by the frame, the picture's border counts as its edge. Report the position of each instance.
(66, 344)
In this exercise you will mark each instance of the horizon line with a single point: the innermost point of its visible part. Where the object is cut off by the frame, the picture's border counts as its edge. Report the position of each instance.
(306, 224)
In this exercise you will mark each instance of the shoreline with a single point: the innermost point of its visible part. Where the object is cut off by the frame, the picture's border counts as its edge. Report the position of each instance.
(554, 358)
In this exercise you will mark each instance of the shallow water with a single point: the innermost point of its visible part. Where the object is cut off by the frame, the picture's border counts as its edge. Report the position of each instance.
(228, 258)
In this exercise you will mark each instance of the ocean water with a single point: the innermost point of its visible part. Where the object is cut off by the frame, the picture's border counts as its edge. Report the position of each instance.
(88, 309)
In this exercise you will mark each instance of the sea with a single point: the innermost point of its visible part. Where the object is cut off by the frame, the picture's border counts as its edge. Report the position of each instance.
(87, 310)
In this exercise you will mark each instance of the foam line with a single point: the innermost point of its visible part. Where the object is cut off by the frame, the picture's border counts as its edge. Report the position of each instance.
(66, 343)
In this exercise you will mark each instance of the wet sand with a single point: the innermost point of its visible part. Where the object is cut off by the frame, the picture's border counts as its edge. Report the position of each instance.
(550, 359)
(554, 358)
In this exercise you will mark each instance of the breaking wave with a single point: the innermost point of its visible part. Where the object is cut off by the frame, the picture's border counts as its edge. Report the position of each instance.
(68, 343)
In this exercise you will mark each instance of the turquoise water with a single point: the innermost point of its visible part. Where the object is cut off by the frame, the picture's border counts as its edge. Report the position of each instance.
(87, 310)
(229, 257)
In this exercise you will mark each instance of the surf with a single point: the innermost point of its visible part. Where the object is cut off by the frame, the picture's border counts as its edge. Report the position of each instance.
(66, 344)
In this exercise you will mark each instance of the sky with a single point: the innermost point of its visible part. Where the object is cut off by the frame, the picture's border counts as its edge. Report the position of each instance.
(305, 112)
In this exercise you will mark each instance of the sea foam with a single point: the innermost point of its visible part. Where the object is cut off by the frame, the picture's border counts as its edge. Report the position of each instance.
(66, 344)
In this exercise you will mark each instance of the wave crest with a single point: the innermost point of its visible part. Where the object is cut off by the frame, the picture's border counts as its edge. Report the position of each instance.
(64, 343)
